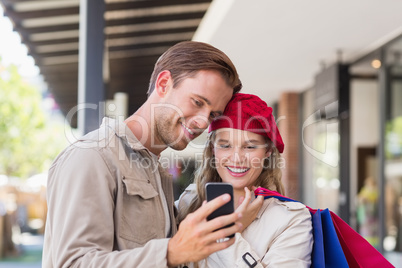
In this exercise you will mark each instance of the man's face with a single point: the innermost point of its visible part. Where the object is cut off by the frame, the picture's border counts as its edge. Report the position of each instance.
(187, 110)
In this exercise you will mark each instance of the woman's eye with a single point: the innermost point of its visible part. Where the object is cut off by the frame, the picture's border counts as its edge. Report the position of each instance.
(251, 147)
(223, 146)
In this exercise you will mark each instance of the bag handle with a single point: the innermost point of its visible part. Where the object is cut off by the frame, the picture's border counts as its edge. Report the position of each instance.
(268, 194)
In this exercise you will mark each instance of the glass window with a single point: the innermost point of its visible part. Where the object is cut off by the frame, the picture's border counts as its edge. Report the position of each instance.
(365, 135)
(320, 157)
(326, 165)
(393, 166)
(393, 148)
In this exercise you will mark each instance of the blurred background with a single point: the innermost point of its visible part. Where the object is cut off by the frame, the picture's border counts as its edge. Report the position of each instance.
(332, 71)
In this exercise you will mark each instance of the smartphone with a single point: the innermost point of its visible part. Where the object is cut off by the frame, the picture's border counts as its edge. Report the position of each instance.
(215, 189)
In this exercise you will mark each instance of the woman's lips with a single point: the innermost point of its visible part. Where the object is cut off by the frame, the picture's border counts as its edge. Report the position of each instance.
(237, 171)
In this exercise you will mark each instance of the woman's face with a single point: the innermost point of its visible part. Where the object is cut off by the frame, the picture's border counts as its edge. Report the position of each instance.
(239, 156)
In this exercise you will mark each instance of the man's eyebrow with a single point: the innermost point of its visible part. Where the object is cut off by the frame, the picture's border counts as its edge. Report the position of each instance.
(204, 99)
(209, 103)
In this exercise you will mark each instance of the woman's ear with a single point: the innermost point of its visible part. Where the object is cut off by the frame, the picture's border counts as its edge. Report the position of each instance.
(269, 152)
(162, 82)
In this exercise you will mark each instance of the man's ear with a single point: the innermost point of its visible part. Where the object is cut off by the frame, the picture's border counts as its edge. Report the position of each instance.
(162, 82)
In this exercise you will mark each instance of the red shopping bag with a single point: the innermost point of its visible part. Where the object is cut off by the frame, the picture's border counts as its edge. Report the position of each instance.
(326, 252)
(358, 251)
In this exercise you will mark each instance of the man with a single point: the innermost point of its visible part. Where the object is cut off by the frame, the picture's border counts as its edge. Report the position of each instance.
(110, 204)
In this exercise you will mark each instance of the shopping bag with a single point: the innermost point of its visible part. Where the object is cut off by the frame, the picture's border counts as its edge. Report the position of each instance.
(317, 254)
(336, 244)
(358, 251)
(327, 250)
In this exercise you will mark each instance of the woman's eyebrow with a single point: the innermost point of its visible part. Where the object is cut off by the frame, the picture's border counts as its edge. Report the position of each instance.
(253, 141)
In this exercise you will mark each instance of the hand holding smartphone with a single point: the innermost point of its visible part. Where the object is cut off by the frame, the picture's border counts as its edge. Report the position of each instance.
(215, 189)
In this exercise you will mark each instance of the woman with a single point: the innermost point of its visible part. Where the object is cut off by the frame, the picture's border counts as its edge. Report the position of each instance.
(243, 149)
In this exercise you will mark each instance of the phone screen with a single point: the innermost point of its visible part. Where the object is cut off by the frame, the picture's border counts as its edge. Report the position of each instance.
(214, 190)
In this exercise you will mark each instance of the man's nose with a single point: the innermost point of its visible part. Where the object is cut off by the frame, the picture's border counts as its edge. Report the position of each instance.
(202, 120)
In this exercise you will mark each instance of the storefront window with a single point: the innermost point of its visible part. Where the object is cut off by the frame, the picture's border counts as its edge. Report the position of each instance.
(326, 166)
(320, 157)
(376, 148)
(365, 136)
(393, 161)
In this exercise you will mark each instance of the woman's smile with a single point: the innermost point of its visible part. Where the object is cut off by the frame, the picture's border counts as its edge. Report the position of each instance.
(237, 171)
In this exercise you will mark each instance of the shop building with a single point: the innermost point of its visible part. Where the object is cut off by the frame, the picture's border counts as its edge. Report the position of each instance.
(351, 145)
(332, 72)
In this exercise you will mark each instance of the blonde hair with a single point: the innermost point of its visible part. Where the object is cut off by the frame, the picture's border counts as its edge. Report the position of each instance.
(270, 177)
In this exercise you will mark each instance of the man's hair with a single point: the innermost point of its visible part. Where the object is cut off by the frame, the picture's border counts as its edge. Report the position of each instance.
(185, 59)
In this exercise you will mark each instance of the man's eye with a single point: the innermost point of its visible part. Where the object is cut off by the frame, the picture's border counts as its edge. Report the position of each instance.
(212, 116)
(197, 103)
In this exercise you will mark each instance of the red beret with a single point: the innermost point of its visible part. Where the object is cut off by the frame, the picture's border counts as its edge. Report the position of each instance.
(248, 112)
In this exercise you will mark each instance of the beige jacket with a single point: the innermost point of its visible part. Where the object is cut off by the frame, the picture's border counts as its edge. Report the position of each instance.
(106, 206)
(280, 236)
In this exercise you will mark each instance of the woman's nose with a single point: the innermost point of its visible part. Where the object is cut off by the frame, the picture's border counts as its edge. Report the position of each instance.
(237, 155)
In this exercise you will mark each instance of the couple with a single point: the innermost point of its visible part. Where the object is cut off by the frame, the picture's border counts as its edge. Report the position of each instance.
(105, 210)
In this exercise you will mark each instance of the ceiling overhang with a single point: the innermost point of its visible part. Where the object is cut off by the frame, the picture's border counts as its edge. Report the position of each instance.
(136, 34)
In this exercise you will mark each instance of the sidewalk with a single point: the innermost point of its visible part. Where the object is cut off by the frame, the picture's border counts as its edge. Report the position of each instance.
(31, 253)
(19, 265)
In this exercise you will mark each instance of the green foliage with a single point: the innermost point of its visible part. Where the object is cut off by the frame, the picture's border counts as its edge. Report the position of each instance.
(393, 138)
(28, 143)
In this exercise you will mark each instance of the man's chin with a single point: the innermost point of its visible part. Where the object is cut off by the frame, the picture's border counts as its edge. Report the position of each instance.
(181, 145)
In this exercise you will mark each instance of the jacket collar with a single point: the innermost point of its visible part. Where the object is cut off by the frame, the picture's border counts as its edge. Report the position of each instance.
(123, 131)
